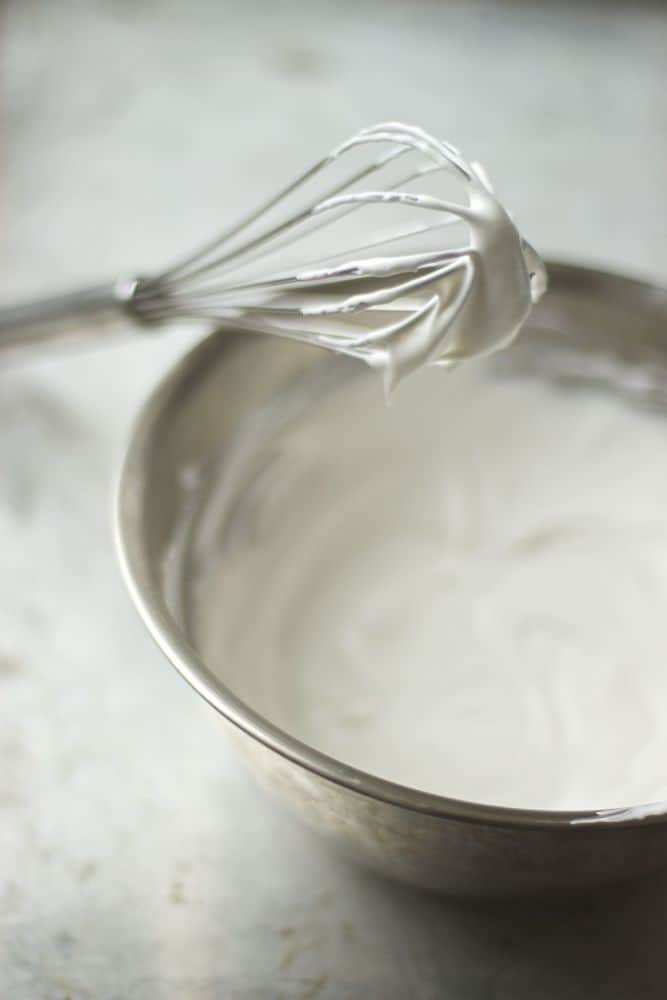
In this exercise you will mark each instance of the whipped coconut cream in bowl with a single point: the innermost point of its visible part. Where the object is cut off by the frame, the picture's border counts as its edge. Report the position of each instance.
(437, 629)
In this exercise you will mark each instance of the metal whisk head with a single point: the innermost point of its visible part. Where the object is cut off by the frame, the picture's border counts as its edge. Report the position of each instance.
(392, 249)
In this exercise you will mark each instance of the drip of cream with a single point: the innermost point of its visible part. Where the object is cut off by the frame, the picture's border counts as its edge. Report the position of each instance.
(465, 594)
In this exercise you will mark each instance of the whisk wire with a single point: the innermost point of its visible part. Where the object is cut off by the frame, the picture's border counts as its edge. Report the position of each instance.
(406, 138)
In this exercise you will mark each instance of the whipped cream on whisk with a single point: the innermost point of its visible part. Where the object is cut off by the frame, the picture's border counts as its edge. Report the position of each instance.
(421, 277)
(476, 297)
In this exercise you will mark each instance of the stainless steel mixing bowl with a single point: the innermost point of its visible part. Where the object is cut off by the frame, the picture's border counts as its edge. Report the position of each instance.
(592, 327)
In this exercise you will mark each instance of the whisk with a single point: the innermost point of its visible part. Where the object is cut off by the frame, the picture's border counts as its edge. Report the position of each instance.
(368, 253)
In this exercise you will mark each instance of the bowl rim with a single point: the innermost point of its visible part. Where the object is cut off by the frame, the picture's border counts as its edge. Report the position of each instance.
(139, 579)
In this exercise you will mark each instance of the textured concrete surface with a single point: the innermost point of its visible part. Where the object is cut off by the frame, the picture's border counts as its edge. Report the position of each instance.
(136, 861)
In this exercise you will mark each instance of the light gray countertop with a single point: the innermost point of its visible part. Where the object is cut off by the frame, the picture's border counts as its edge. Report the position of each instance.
(136, 859)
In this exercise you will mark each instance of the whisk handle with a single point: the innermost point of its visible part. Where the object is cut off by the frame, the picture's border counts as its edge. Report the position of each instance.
(93, 313)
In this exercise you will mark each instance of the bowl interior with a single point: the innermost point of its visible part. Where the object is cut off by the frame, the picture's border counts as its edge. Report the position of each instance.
(210, 449)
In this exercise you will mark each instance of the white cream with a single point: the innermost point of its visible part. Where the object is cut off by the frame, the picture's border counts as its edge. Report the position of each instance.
(465, 593)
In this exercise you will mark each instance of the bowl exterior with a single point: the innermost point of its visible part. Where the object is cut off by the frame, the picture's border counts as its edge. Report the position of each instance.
(458, 857)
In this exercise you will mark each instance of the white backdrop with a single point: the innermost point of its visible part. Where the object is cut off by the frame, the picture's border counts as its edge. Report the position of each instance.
(136, 862)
